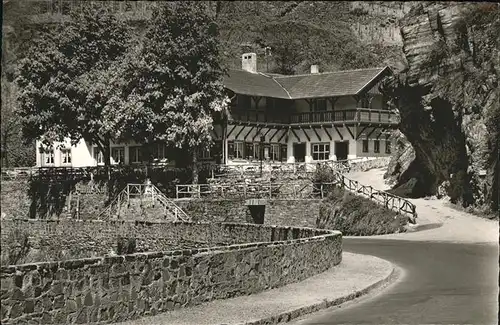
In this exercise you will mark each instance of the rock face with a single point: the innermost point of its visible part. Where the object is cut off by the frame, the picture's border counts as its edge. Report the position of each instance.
(448, 98)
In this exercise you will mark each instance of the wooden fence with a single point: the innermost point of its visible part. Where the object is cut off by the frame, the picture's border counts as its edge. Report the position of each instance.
(388, 200)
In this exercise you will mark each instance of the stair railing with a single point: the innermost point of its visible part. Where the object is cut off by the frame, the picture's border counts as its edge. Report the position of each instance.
(142, 190)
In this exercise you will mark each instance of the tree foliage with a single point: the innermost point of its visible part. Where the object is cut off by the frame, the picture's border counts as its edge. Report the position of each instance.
(69, 78)
(176, 87)
(15, 37)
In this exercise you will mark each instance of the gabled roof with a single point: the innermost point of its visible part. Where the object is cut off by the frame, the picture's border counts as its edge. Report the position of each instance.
(254, 84)
(328, 84)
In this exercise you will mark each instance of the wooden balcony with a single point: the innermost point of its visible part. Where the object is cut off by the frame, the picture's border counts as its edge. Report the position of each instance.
(352, 116)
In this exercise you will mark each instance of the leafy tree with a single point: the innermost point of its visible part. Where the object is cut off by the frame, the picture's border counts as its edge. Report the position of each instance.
(70, 77)
(177, 87)
(14, 152)
(15, 34)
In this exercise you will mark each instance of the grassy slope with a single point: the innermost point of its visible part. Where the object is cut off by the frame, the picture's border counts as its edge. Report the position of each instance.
(357, 216)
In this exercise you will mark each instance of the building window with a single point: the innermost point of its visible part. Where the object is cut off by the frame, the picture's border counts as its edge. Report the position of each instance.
(284, 152)
(256, 150)
(365, 145)
(230, 150)
(387, 146)
(98, 156)
(238, 150)
(376, 146)
(249, 152)
(118, 155)
(206, 154)
(235, 150)
(275, 152)
(135, 154)
(66, 156)
(159, 151)
(320, 151)
(48, 157)
(266, 151)
(269, 104)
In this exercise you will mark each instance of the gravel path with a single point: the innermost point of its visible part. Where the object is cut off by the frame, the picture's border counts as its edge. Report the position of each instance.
(442, 223)
(355, 273)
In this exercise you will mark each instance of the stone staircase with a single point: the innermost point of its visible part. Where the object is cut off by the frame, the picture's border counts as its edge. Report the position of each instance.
(142, 202)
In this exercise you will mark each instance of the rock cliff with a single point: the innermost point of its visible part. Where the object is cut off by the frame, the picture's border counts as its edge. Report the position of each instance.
(448, 98)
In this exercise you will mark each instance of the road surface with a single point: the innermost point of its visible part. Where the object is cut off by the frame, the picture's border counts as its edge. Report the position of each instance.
(450, 271)
(443, 283)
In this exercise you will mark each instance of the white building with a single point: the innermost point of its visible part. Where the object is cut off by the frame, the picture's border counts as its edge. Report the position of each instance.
(300, 118)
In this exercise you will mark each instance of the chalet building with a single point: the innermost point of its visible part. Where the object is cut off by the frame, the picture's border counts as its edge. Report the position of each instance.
(301, 118)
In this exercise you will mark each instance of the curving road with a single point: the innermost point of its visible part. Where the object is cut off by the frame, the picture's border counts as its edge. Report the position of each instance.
(443, 283)
(450, 271)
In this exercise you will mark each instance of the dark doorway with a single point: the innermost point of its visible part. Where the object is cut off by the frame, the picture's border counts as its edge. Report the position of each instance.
(341, 149)
(299, 152)
(257, 213)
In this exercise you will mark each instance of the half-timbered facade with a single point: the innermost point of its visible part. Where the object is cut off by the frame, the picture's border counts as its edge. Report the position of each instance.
(305, 118)
(300, 118)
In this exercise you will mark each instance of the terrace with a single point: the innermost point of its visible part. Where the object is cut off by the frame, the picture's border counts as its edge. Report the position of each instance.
(349, 116)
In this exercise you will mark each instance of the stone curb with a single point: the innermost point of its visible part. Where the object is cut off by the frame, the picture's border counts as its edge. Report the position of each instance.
(293, 314)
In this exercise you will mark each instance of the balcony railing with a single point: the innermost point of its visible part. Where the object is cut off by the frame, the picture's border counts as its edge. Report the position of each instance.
(360, 115)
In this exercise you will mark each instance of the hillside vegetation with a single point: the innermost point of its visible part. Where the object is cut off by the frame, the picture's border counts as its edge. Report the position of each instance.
(301, 33)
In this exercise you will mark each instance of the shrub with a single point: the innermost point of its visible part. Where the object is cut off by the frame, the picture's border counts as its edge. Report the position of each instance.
(126, 246)
(359, 12)
(323, 174)
(357, 216)
(18, 247)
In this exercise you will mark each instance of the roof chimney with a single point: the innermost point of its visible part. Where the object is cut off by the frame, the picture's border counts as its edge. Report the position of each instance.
(249, 62)
(314, 69)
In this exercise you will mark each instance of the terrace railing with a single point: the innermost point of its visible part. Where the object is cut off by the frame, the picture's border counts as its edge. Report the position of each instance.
(358, 115)
(245, 191)
(280, 168)
(296, 191)
(18, 172)
(129, 173)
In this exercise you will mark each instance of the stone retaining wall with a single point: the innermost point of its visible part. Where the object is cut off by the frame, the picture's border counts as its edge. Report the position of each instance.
(296, 213)
(91, 238)
(111, 289)
(364, 165)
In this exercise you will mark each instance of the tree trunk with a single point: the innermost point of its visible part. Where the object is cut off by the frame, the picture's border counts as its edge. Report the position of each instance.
(5, 152)
(195, 165)
(106, 154)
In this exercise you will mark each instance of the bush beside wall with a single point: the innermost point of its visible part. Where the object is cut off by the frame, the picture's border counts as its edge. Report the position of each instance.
(112, 289)
(14, 198)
